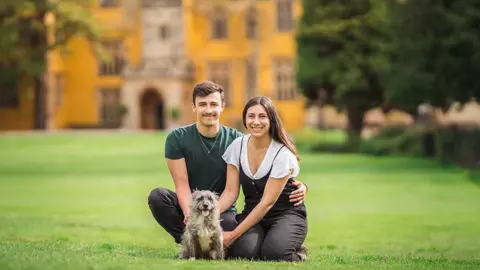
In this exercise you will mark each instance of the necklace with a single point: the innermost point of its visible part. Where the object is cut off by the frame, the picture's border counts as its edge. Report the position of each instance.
(204, 146)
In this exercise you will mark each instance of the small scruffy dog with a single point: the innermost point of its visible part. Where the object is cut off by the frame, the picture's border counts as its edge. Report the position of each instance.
(203, 236)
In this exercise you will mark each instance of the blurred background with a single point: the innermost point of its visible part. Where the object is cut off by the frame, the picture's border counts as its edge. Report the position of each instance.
(404, 72)
(380, 96)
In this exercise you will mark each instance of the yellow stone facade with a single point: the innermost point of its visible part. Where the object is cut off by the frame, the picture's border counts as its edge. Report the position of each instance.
(161, 49)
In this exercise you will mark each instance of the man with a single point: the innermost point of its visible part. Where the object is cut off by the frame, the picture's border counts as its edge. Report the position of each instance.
(194, 159)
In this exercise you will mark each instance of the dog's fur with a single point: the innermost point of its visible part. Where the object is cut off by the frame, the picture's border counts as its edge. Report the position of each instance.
(203, 236)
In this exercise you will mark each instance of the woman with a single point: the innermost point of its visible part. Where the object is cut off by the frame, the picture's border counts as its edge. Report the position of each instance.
(264, 162)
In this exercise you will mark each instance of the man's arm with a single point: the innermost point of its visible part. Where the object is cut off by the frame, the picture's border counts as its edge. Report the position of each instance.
(178, 171)
(175, 159)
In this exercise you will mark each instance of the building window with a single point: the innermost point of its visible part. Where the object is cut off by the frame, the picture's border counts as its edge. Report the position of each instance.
(9, 86)
(219, 23)
(110, 106)
(284, 15)
(219, 72)
(250, 79)
(163, 32)
(114, 65)
(250, 23)
(9, 97)
(108, 3)
(285, 80)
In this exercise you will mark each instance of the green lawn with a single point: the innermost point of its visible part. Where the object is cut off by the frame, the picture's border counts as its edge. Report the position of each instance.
(80, 201)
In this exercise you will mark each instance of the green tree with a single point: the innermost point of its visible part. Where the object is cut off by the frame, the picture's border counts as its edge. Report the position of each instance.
(340, 49)
(24, 28)
(435, 53)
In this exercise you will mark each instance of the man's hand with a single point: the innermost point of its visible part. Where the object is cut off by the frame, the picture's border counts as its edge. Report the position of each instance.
(298, 195)
(185, 219)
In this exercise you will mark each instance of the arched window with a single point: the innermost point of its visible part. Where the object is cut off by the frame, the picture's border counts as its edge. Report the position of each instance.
(251, 22)
(219, 23)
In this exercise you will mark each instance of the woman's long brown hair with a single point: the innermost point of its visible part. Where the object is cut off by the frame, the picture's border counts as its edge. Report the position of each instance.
(276, 130)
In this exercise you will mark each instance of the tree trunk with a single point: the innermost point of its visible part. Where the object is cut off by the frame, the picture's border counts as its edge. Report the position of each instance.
(355, 125)
(40, 103)
(38, 39)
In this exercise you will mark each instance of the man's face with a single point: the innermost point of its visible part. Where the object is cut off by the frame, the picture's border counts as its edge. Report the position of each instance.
(208, 109)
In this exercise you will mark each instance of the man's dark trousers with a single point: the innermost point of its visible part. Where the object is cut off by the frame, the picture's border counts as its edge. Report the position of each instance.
(167, 212)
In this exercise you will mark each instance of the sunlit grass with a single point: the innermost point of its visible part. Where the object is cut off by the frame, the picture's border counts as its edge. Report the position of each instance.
(80, 201)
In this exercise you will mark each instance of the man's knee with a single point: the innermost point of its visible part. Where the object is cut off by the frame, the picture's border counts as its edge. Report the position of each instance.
(158, 196)
(228, 221)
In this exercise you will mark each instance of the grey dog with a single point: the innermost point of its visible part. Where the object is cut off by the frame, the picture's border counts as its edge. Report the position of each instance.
(203, 236)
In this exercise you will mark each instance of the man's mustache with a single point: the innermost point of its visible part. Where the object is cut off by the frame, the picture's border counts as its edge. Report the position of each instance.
(209, 114)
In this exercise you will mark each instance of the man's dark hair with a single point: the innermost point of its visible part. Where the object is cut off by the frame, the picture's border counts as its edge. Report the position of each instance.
(205, 88)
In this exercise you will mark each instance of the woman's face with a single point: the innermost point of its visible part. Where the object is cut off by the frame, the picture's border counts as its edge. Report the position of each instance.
(257, 121)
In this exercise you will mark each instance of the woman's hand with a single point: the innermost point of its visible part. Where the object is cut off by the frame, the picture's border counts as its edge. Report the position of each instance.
(228, 238)
(298, 196)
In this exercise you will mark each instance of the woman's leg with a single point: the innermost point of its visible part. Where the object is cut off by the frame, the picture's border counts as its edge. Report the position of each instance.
(284, 238)
(248, 245)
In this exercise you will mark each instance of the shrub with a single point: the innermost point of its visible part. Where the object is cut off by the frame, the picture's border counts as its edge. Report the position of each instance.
(175, 113)
(459, 145)
(397, 141)
(316, 140)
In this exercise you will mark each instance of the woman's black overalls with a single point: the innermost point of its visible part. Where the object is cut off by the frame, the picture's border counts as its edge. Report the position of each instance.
(278, 235)
(253, 191)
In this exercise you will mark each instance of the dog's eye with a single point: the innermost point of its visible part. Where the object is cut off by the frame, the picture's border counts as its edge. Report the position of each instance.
(200, 198)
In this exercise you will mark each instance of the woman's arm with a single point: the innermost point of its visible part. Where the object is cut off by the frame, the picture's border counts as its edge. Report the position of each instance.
(273, 189)
(232, 189)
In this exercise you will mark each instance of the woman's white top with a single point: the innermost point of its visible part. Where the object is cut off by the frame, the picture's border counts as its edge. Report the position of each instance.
(284, 164)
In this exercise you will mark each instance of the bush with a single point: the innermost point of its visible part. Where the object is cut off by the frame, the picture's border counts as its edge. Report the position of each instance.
(315, 140)
(460, 145)
(397, 141)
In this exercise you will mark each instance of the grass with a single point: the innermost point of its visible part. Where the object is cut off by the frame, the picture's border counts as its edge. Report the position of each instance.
(79, 202)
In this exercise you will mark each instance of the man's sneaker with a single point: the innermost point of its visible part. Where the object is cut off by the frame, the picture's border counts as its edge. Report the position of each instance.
(303, 253)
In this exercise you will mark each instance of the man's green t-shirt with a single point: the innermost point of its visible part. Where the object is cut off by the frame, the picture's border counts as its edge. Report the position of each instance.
(203, 156)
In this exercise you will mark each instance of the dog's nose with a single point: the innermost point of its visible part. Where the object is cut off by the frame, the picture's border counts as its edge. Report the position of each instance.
(205, 205)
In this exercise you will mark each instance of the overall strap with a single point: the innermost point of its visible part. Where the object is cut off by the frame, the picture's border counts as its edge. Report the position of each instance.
(273, 160)
(240, 154)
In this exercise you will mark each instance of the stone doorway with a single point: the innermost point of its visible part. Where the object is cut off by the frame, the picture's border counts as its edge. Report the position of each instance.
(152, 110)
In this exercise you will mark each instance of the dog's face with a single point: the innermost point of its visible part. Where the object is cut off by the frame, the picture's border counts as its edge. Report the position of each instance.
(204, 202)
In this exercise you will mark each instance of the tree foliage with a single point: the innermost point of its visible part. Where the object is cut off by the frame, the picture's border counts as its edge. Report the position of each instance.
(340, 48)
(25, 27)
(401, 52)
(434, 53)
